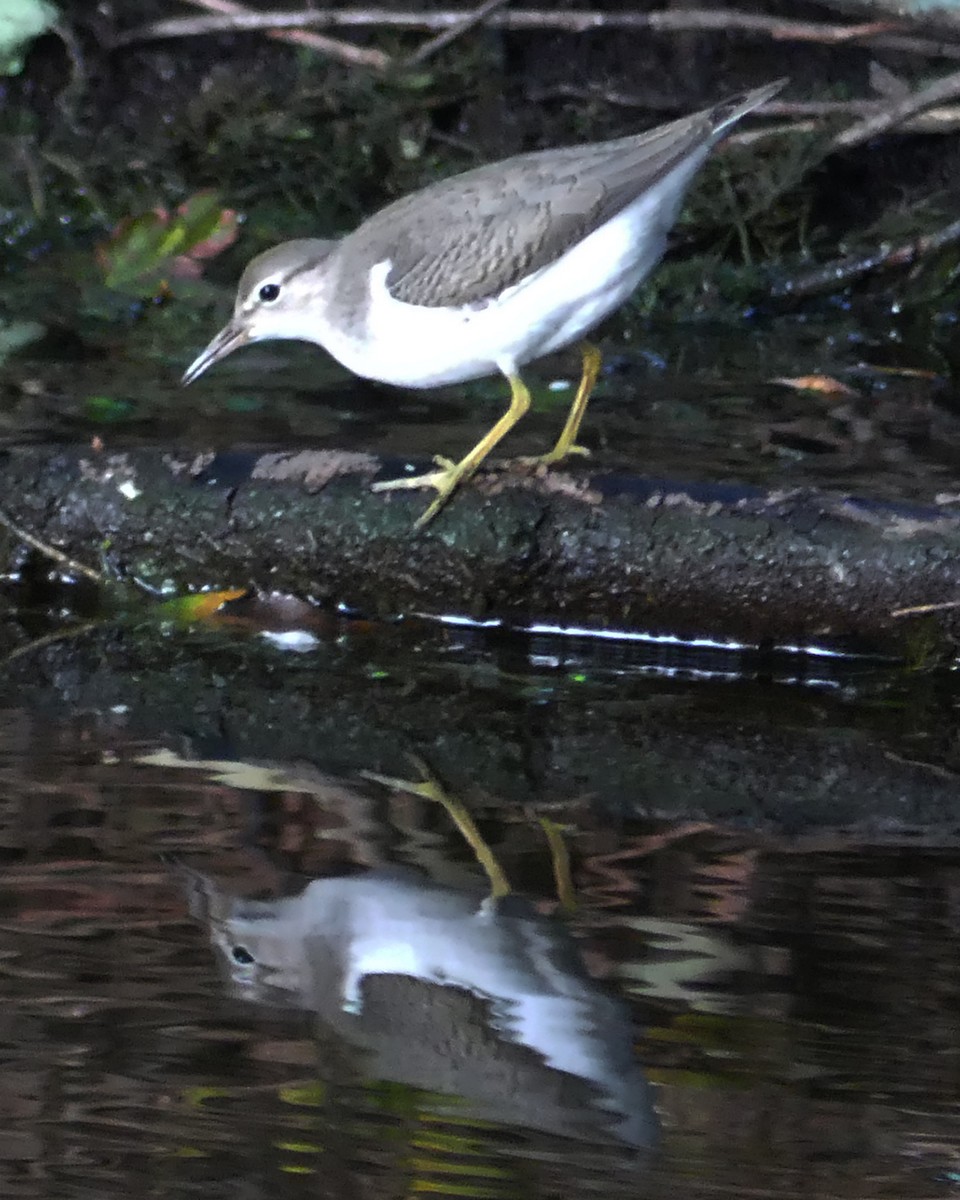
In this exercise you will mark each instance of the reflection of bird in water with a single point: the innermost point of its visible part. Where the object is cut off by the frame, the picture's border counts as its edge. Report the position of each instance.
(485, 1001)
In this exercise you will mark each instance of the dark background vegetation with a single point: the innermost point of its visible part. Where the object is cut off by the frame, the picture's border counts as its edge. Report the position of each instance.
(97, 129)
(839, 236)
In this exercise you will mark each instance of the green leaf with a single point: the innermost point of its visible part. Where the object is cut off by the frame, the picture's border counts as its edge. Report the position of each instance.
(198, 218)
(133, 251)
(107, 408)
(145, 250)
(198, 606)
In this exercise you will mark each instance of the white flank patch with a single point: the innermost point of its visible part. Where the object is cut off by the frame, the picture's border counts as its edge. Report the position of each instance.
(417, 346)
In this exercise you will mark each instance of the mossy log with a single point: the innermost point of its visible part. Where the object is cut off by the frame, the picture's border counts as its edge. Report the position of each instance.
(571, 547)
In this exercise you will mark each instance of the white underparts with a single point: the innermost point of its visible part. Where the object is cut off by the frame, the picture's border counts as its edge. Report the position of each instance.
(416, 346)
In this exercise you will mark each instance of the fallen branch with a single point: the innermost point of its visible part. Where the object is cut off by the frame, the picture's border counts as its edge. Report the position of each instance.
(895, 111)
(934, 120)
(575, 548)
(70, 565)
(331, 47)
(831, 276)
(442, 40)
(879, 34)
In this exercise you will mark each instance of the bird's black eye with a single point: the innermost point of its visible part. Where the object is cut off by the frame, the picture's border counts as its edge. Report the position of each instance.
(269, 291)
(241, 956)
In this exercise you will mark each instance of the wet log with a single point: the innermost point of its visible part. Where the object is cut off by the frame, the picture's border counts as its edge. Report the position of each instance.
(803, 764)
(566, 546)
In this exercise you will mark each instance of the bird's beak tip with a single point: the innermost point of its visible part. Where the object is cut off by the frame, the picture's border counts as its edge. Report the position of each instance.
(227, 340)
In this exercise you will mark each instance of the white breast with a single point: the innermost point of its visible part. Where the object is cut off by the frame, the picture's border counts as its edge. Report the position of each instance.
(416, 346)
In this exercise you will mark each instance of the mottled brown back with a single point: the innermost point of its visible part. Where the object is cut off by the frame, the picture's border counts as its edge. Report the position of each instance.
(466, 239)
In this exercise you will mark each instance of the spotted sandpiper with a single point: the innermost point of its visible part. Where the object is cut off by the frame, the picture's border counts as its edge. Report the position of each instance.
(484, 272)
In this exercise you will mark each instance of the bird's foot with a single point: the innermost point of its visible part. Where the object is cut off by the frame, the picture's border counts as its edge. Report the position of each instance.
(432, 479)
(557, 454)
(444, 480)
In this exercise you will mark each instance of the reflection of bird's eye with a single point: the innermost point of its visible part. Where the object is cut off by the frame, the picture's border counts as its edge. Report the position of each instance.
(269, 291)
(241, 956)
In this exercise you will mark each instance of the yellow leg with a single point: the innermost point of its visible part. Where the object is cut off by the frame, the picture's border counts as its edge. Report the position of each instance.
(430, 789)
(566, 442)
(560, 857)
(451, 474)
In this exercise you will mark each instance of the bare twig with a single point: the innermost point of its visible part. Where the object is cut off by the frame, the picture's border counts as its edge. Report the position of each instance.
(331, 47)
(942, 119)
(441, 40)
(24, 152)
(880, 34)
(665, 103)
(896, 111)
(916, 610)
(49, 639)
(66, 99)
(934, 120)
(836, 274)
(51, 552)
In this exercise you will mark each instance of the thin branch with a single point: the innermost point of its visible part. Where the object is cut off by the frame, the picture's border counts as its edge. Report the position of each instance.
(880, 34)
(916, 610)
(435, 44)
(896, 111)
(837, 274)
(239, 17)
(49, 639)
(48, 551)
(934, 120)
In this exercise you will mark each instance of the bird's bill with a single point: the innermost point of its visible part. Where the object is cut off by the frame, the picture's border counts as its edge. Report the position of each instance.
(230, 338)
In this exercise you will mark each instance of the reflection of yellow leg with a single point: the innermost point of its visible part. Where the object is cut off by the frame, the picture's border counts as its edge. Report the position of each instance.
(560, 857)
(431, 789)
(451, 474)
(567, 441)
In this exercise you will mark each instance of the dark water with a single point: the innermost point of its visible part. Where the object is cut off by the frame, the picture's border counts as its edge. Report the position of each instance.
(698, 400)
(238, 974)
(463, 913)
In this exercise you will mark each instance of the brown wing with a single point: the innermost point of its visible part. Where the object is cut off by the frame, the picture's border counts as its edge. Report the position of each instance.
(466, 239)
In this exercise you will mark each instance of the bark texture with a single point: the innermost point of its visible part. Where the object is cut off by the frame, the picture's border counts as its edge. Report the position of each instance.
(570, 548)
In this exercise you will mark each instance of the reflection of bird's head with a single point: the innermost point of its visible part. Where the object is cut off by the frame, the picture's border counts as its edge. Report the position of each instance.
(262, 951)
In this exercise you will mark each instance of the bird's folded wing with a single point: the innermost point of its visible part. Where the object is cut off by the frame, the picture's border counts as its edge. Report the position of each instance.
(465, 240)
